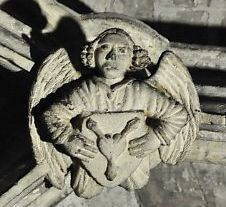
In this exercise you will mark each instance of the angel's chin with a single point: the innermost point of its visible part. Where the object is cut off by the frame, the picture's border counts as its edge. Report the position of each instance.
(112, 74)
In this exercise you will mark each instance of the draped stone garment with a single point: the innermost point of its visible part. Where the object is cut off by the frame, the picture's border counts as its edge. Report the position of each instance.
(95, 95)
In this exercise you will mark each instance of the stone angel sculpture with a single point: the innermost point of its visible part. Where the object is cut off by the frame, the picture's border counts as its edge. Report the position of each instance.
(111, 129)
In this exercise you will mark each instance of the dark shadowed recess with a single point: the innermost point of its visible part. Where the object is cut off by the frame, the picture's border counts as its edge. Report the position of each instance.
(213, 105)
(15, 146)
(191, 34)
(208, 77)
(77, 6)
(27, 11)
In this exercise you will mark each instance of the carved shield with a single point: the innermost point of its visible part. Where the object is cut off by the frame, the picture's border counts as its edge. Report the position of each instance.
(112, 133)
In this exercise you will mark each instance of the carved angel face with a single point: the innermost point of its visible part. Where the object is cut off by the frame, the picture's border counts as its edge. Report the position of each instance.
(113, 55)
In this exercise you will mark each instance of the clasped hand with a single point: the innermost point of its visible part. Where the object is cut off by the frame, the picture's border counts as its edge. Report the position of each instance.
(85, 149)
(81, 147)
(144, 145)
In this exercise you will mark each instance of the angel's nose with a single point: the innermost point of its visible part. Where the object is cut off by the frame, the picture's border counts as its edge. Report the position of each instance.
(111, 55)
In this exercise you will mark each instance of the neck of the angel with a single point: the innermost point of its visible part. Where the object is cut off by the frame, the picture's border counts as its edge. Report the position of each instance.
(112, 81)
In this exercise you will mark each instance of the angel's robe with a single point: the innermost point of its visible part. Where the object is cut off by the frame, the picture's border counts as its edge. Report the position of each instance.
(96, 96)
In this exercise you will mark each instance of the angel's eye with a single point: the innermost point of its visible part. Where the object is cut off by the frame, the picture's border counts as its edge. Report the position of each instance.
(104, 47)
(122, 50)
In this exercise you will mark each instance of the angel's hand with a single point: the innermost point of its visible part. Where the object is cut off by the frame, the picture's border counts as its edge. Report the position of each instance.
(81, 147)
(130, 126)
(144, 145)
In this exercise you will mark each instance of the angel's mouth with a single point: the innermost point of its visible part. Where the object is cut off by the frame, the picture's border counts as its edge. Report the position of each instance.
(110, 67)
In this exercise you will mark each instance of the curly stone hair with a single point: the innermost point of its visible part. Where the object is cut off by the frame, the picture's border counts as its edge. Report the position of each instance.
(140, 59)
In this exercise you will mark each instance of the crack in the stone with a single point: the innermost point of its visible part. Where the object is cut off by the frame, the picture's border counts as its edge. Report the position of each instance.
(200, 185)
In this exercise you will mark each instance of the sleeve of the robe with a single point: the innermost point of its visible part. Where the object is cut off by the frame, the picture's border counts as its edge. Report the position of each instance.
(57, 117)
(167, 116)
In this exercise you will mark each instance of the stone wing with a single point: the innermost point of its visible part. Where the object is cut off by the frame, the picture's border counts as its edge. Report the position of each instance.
(54, 72)
(173, 79)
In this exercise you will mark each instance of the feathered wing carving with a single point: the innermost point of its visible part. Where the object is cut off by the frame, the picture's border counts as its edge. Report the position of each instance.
(173, 79)
(54, 72)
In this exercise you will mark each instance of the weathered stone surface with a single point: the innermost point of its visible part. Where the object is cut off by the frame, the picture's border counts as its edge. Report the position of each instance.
(212, 119)
(211, 91)
(202, 3)
(219, 4)
(184, 3)
(32, 191)
(223, 21)
(193, 17)
(188, 184)
(131, 8)
(209, 149)
(200, 12)
(13, 60)
(109, 198)
(211, 58)
(201, 57)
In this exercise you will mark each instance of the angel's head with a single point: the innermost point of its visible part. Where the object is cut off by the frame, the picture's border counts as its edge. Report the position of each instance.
(113, 53)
